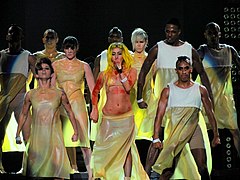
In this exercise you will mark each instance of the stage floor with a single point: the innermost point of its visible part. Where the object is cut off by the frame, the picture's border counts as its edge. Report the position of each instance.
(12, 164)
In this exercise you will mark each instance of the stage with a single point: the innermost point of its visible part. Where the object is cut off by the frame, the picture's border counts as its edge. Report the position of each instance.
(226, 163)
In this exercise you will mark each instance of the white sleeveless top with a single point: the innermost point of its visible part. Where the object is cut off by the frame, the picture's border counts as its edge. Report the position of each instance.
(18, 64)
(167, 54)
(179, 97)
(103, 61)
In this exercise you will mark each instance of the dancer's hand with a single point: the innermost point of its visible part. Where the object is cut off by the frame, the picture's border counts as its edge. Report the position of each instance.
(18, 140)
(157, 143)
(216, 140)
(74, 137)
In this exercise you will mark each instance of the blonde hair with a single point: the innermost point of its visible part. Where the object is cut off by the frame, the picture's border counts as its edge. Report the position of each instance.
(127, 58)
(139, 33)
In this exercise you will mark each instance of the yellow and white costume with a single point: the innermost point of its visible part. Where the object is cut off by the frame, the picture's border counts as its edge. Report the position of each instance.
(13, 76)
(165, 65)
(183, 111)
(218, 64)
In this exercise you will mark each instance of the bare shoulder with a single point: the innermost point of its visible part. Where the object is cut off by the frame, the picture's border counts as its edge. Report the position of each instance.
(195, 55)
(86, 65)
(32, 58)
(203, 89)
(166, 91)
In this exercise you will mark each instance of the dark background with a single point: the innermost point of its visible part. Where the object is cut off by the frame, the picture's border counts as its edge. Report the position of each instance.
(91, 20)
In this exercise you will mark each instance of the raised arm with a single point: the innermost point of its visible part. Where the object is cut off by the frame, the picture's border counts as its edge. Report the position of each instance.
(71, 116)
(23, 116)
(152, 54)
(96, 90)
(162, 105)
(198, 67)
(210, 114)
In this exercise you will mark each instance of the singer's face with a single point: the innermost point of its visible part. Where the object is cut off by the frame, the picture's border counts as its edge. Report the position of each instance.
(117, 57)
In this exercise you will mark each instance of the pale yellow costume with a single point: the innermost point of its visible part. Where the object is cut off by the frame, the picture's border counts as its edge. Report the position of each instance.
(165, 73)
(218, 64)
(70, 78)
(46, 155)
(115, 138)
(14, 70)
(183, 111)
(144, 118)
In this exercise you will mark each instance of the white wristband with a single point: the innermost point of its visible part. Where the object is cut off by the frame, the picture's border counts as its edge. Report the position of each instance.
(123, 80)
(18, 138)
(156, 140)
(140, 100)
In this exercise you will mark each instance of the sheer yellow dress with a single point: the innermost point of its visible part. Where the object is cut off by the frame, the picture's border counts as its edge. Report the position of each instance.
(70, 78)
(46, 154)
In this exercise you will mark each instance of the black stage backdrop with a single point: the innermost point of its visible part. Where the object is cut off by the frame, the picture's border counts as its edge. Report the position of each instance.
(91, 20)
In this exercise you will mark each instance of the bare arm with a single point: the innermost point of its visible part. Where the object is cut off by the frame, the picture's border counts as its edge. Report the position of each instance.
(23, 116)
(71, 116)
(235, 57)
(96, 90)
(89, 77)
(198, 67)
(96, 68)
(162, 105)
(53, 76)
(152, 54)
(209, 111)
(32, 61)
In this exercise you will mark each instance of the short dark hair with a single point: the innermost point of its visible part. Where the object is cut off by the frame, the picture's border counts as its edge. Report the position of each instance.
(175, 22)
(38, 65)
(212, 25)
(115, 30)
(183, 59)
(51, 33)
(17, 29)
(70, 42)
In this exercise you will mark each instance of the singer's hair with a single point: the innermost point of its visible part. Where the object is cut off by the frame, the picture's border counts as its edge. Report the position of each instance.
(127, 58)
